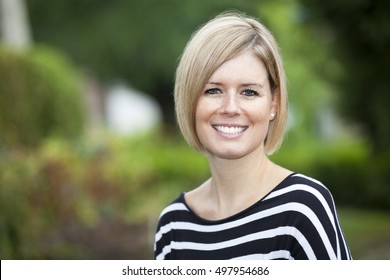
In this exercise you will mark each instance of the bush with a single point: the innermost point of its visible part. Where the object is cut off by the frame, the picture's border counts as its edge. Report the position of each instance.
(354, 175)
(40, 96)
(64, 186)
(341, 169)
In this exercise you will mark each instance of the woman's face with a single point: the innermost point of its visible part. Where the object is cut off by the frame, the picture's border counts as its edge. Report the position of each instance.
(235, 108)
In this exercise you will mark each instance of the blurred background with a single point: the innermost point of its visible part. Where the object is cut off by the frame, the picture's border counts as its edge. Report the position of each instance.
(89, 149)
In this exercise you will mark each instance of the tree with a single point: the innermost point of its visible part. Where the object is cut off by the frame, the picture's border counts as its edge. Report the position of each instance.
(358, 35)
(39, 98)
(309, 91)
(137, 41)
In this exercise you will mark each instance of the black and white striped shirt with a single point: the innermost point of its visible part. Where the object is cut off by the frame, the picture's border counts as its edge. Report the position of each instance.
(296, 220)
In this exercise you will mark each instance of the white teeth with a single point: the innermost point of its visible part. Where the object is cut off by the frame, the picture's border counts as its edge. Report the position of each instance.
(229, 129)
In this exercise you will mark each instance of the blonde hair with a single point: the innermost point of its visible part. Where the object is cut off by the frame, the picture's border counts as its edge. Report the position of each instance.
(216, 42)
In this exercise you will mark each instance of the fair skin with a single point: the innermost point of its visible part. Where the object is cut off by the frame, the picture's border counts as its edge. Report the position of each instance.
(232, 119)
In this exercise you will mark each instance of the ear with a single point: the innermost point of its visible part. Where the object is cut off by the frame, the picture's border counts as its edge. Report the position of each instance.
(274, 104)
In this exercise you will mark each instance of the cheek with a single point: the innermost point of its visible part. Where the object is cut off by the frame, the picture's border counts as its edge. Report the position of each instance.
(259, 112)
(203, 110)
(201, 116)
(198, 115)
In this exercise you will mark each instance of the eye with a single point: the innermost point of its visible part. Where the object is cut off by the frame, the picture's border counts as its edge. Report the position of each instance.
(212, 91)
(250, 93)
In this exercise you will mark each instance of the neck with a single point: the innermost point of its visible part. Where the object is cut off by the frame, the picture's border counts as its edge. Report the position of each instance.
(237, 184)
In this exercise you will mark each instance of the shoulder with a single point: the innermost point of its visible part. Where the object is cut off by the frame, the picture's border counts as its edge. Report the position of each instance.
(176, 205)
(177, 210)
(173, 214)
(306, 198)
(303, 189)
(312, 212)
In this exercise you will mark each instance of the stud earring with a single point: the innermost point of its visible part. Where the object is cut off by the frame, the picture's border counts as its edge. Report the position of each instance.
(272, 116)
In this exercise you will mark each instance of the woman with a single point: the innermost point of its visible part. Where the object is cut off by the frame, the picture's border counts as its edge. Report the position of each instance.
(231, 105)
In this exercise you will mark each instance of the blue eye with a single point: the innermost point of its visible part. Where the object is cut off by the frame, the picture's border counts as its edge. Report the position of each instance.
(212, 91)
(250, 92)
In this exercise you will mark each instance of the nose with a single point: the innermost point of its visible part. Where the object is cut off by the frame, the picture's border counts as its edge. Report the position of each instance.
(230, 105)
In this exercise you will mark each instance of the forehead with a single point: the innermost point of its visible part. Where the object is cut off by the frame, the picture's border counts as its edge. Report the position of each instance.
(245, 68)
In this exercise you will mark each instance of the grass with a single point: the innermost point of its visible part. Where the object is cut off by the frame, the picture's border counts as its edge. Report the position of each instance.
(367, 233)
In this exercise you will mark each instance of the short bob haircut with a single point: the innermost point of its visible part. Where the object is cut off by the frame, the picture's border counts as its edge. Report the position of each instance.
(219, 40)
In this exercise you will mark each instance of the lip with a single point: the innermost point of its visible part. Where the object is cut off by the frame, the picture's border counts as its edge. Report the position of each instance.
(230, 130)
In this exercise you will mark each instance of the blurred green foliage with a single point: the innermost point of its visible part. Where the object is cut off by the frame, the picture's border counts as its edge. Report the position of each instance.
(40, 96)
(64, 185)
(309, 92)
(335, 52)
(342, 167)
(367, 233)
(138, 41)
(357, 34)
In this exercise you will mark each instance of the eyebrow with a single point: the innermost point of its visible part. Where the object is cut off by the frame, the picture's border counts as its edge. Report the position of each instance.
(242, 85)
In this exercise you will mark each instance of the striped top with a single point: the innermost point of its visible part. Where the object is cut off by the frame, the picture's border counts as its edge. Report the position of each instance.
(296, 220)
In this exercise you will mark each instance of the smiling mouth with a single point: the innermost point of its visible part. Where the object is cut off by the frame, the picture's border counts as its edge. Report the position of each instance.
(233, 130)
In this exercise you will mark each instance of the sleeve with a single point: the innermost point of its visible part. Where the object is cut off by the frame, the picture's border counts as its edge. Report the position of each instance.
(165, 233)
(318, 231)
(162, 239)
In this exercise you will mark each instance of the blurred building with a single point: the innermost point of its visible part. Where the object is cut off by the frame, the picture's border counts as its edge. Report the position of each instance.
(129, 111)
(14, 24)
(120, 109)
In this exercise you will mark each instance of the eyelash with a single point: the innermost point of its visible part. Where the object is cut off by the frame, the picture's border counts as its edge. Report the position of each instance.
(252, 92)
(246, 92)
(212, 91)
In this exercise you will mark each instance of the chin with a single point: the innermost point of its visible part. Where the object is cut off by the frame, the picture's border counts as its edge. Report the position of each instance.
(230, 155)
